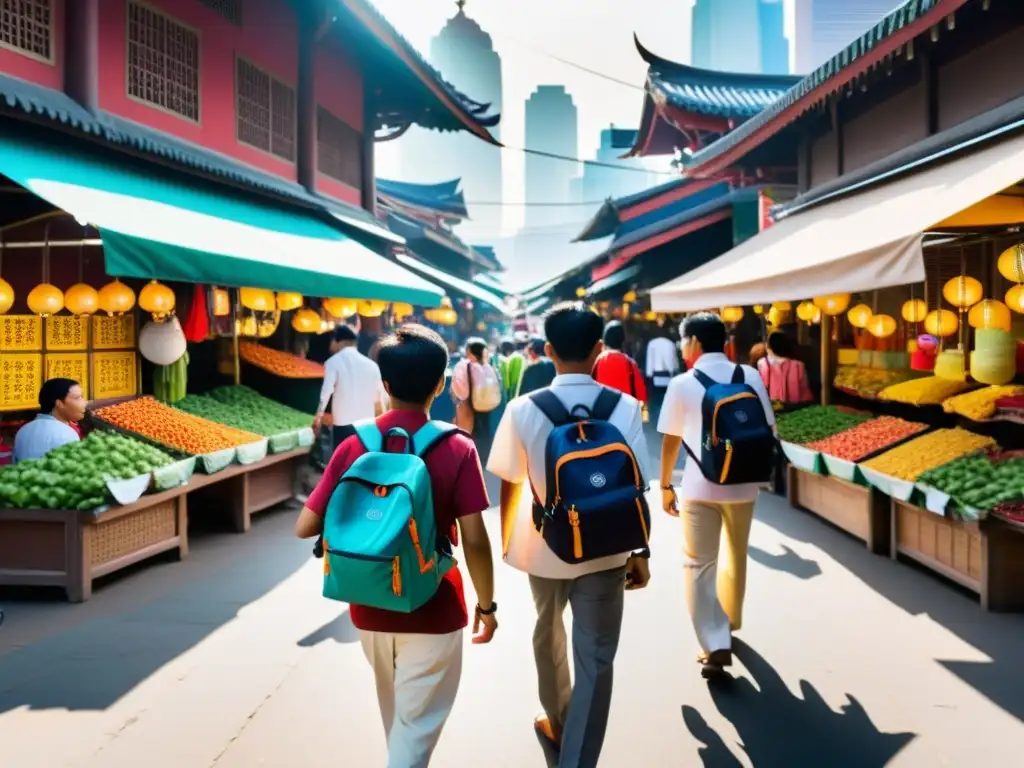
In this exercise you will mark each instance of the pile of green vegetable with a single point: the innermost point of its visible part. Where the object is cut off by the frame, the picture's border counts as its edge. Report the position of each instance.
(977, 481)
(816, 423)
(243, 408)
(74, 476)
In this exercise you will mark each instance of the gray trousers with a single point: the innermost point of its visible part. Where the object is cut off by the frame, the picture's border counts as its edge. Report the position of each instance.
(580, 711)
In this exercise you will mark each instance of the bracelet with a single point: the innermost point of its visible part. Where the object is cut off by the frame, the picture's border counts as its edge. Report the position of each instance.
(644, 553)
(489, 612)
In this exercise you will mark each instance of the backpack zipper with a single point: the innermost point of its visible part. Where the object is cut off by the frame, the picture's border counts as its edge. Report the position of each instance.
(577, 537)
(592, 453)
(727, 463)
(396, 577)
(425, 565)
(719, 404)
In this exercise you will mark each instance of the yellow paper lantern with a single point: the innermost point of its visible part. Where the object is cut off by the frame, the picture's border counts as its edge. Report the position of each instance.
(581, 292)
(340, 308)
(833, 304)
(650, 315)
(156, 298)
(629, 297)
(731, 314)
(962, 292)
(116, 298)
(914, 310)
(1015, 298)
(782, 306)
(257, 299)
(990, 314)
(372, 308)
(759, 309)
(859, 316)
(45, 299)
(817, 316)
(221, 303)
(882, 326)
(941, 322)
(805, 311)
(6, 296)
(774, 316)
(1011, 263)
(401, 310)
(246, 325)
(448, 316)
(306, 321)
(288, 300)
(81, 299)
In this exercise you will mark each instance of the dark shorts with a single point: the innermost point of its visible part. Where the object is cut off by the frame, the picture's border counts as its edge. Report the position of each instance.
(342, 433)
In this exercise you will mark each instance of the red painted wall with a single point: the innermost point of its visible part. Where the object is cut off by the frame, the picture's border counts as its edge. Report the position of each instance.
(339, 89)
(46, 73)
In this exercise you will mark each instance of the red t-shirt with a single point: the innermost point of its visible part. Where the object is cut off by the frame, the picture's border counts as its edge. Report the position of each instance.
(619, 371)
(457, 480)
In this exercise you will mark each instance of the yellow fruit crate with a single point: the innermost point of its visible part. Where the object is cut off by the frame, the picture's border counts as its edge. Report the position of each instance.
(21, 333)
(21, 376)
(113, 332)
(73, 365)
(113, 375)
(67, 333)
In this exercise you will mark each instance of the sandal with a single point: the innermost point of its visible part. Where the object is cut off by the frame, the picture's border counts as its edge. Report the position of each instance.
(713, 664)
(546, 733)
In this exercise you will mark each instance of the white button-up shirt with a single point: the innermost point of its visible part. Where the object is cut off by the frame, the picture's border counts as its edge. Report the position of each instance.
(517, 455)
(662, 358)
(353, 385)
(682, 416)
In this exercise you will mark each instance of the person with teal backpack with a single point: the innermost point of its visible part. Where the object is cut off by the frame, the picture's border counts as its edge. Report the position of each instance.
(395, 499)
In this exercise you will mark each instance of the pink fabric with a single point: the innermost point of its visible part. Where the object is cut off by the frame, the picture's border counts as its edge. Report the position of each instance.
(785, 380)
(460, 380)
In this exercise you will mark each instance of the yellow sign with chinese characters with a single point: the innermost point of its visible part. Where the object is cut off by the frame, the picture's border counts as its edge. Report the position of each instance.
(113, 332)
(21, 333)
(67, 333)
(113, 375)
(69, 366)
(20, 380)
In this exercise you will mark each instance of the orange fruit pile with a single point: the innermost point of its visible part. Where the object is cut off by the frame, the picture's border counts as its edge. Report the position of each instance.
(279, 363)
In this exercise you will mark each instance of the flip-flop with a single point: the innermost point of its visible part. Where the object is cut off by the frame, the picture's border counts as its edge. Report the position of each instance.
(712, 665)
(546, 733)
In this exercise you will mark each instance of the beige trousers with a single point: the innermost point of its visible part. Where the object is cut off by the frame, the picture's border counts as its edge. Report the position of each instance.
(716, 568)
(417, 678)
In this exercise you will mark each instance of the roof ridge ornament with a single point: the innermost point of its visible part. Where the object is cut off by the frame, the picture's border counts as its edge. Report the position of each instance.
(462, 6)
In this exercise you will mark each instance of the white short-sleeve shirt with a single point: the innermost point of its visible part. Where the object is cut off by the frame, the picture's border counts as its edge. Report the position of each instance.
(681, 416)
(517, 456)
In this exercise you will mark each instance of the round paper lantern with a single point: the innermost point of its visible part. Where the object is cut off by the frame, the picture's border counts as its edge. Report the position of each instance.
(629, 297)
(774, 316)
(581, 292)
(1015, 298)
(1011, 263)
(256, 299)
(805, 311)
(116, 298)
(340, 308)
(162, 343)
(859, 316)
(882, 326)
(941, 322)
(45, 299)
(914, 310)
(81, 299)
(306, 321)
(221, 303)
(729, 314)
(157, 299)
(6, 296)
(446, 316)
(833, 304)
(816, 318)
(990, 314)
(247, 325)
(782, 306)
(288, 300)
(372, 308)
(962, 292)
(401, 310)
(759, 309)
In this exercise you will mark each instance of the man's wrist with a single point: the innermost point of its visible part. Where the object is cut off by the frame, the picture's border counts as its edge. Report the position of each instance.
(644, 553)
(490, 610)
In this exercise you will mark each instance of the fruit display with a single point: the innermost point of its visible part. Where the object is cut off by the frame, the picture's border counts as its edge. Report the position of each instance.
(864, 439)
(279, 363)
(910, 460)
(930, 390)
(817, 422)
(976, 481)
(868, 382)
(75, 475)
(980, 404)
(166, 425)
(242, 408)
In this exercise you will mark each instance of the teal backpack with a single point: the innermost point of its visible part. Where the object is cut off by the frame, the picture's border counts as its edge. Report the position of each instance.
(381, 545)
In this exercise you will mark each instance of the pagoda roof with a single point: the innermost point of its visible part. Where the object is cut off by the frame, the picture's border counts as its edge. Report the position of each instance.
(423, 238)
(444, 198)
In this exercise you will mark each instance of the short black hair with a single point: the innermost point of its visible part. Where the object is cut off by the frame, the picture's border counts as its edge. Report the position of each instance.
(707, 328)
(345, 333)
(537, 346)
(780, 344)
(614, 335)
(573, 330)
(507, 347)
(52, 391)
(412, 361)
(477, 347)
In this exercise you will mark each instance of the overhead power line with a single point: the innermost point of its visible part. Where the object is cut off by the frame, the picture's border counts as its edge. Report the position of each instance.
(526, 204)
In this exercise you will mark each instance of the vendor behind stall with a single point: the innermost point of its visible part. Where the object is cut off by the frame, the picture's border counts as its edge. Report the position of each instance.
(61, 405)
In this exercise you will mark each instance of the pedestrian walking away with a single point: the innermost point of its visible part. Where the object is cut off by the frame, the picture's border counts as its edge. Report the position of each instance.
(721, 414)
(394, 500)
(662, 364)
(352, 384)
(575, 562)
(477, 391)
(616, 369)
(540, 371)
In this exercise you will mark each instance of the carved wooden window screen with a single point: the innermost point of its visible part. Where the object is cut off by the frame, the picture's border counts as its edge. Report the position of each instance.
(26, 26)
(229, 9)
(266, 111)
(163, 62)
(338, 149)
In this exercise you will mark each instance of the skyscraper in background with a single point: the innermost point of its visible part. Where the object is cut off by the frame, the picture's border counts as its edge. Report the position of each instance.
(824, 27)
(462, 52)
(600, 182)
(774, 45)
(740, 36)
(551, 128)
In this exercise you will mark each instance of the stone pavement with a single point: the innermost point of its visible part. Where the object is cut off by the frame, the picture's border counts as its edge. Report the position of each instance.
(231, 659)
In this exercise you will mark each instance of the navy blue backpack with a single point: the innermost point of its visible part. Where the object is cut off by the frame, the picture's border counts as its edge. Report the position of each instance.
(595, 505)
(737, 443)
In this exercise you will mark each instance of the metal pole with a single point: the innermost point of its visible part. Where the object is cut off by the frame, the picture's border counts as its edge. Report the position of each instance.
(234, 337)
(826, 359)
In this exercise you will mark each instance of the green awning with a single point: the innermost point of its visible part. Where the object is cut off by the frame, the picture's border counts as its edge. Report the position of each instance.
(169, 227)
(466, 287)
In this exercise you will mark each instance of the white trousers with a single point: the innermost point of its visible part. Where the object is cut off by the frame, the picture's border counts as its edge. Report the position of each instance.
(417, 678)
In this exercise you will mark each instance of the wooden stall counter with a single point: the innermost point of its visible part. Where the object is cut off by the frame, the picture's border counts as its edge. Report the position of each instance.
(861, 512)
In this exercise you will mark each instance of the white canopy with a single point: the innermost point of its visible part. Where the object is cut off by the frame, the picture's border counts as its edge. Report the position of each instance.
(857, 243)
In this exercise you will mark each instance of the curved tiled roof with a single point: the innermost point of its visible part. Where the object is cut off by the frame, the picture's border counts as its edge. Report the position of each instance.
(444, 198)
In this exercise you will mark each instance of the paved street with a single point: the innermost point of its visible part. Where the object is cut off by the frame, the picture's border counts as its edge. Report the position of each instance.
(232, 659)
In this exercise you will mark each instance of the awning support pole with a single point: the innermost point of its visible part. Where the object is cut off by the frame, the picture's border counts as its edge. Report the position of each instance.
(307, 105)
(234, 337)
(826, 359)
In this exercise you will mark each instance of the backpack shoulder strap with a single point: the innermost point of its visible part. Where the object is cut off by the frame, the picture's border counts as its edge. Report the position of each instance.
(549, 404)
(705, 381)
(430, 435)
(369, 435)
(606, 403)
(738, 377)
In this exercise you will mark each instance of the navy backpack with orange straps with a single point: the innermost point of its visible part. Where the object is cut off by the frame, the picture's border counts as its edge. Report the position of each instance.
(595, 505)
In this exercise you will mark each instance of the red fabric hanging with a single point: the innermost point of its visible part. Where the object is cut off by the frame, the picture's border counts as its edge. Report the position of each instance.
(197, 325)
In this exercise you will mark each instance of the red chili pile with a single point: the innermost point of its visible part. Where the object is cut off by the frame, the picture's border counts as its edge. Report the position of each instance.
(857, 442)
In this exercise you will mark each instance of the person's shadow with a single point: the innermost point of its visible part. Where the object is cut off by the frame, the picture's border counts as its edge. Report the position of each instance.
(789, 562)
(340, 630)
(780, 730)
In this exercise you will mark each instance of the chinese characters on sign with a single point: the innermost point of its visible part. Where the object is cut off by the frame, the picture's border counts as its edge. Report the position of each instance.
(20, 379)
(113, 374)
(21, 333)
(67, 332)
(69, 366)
(113, 332)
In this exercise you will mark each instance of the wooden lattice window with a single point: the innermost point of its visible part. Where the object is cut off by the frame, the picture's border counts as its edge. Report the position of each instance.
(163, 62)
(229, 9)
(26, 26)
(266, 111)
(339, 149)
